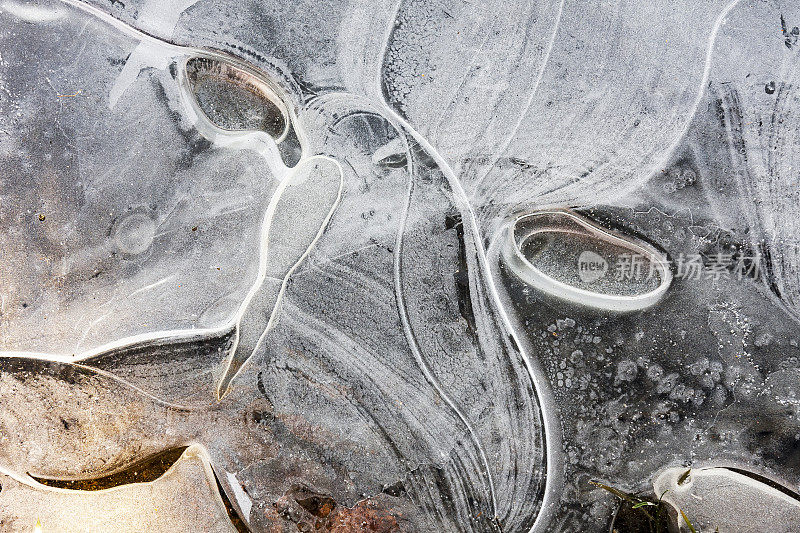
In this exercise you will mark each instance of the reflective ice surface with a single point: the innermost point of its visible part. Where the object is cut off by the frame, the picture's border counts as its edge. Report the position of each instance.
(413, 266)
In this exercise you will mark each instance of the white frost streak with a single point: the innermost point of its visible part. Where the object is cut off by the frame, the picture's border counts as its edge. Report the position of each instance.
(244, 501)
(146, 54)
(157, 18)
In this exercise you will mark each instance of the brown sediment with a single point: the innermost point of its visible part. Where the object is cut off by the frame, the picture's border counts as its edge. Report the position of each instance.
(143, 471)
(312, 511)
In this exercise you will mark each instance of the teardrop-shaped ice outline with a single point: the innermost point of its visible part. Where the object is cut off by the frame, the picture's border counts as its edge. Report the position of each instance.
(527, 272)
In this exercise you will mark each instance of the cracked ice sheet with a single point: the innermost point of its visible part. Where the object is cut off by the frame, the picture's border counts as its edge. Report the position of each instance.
(386, 374)
(369, 413)
(119, 222)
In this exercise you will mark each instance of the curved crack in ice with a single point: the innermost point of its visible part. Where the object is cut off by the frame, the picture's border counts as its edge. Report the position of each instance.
(529, 101)
(404, 317)
(701, 89)
(108, 375)
(646, 168)
(550, 424)
(414, 345)
(237, 358)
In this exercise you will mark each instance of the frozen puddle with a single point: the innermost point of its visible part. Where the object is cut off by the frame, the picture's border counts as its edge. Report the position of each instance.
(571, 258)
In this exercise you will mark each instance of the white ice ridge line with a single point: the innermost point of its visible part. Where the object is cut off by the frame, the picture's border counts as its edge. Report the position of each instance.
(143, 392)
(412, 340)
(176, 334)
(154, 285)
(687, 124)
(552, 475)
(263, 265)
(112, 377)
(550, 424)
(127, 29)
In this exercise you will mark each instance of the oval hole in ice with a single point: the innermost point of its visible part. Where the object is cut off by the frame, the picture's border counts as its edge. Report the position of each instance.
(235, 99)
(570, 257)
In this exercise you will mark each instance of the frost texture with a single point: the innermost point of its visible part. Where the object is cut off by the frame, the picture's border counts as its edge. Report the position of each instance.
(275, 232)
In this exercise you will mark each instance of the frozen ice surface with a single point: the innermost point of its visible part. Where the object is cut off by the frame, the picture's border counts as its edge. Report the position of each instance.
(399, 266)
(121, 220)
